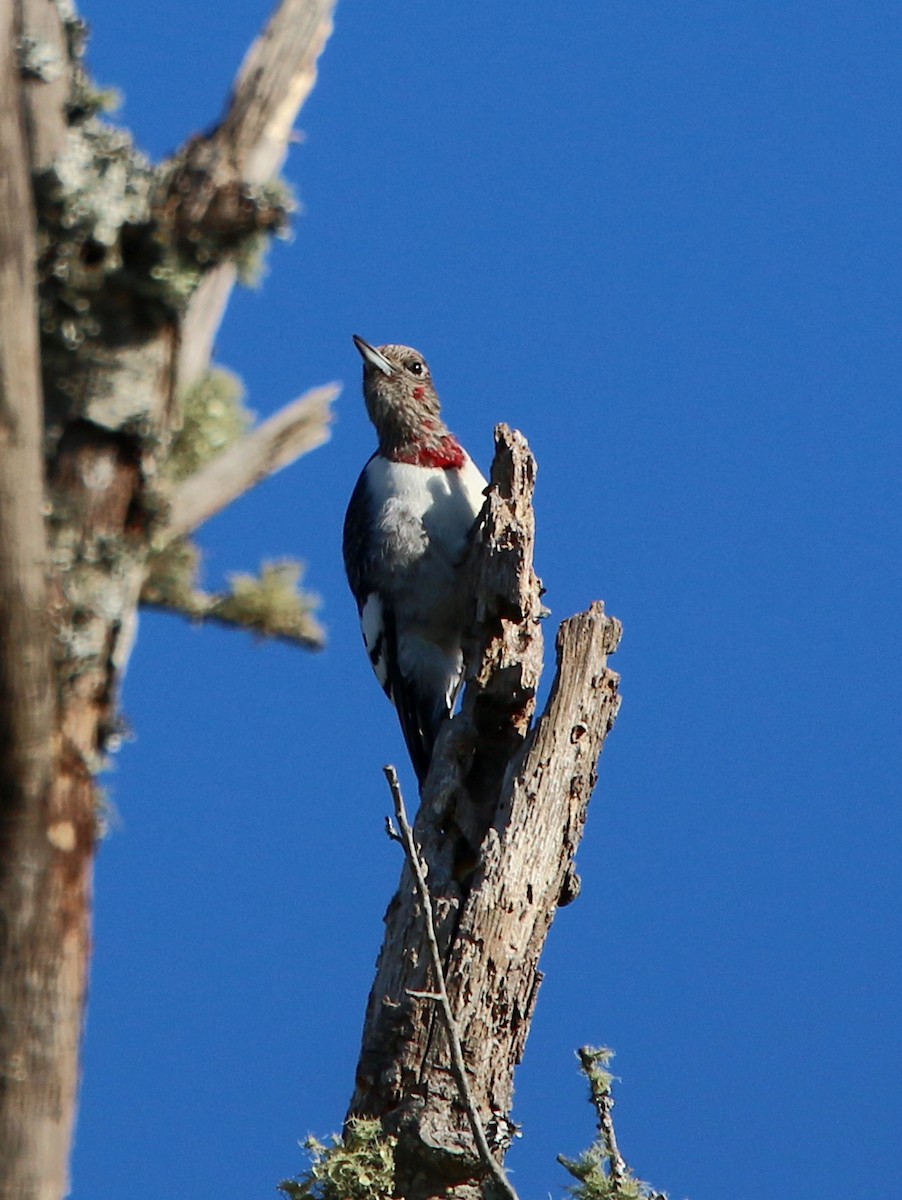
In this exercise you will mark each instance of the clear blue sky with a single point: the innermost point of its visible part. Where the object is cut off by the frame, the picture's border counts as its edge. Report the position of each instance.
(663, 240)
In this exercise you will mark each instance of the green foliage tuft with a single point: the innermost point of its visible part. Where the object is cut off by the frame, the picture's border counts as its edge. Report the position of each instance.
(359, 1166)
(213, 417)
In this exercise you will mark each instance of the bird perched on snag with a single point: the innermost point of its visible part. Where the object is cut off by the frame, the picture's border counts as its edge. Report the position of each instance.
(405, 535)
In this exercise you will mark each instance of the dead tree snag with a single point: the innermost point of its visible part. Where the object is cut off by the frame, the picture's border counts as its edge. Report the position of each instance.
(501, 816)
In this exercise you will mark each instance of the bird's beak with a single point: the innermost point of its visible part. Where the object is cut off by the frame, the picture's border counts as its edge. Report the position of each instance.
(372, 357)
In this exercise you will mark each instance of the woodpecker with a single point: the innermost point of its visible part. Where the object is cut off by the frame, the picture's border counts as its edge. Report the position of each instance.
(405, 535)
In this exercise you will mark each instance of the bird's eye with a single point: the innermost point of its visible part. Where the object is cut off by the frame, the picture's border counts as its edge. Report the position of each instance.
(415, 367)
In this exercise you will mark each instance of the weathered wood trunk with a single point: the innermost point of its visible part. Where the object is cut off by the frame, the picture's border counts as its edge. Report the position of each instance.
(501, 815)
(103, 262)
(42, 931)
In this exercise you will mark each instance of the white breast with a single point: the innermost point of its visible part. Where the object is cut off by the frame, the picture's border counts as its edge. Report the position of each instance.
(420, 508)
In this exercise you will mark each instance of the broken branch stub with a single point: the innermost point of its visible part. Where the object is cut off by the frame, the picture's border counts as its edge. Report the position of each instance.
(245, 151)
(502, 812)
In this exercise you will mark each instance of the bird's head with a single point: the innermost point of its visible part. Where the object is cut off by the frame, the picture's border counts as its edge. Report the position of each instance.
(400, 396)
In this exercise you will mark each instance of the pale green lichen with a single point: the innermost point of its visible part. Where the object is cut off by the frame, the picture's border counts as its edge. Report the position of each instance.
(96, 571)
(39, 60)
(272, 604)
(595, 1182)
(269, 605)
(213, 417)
(114, 263)
(358, 1166)
(98, 250)
(118, 255)
(86, 99)
(250, 256)
(597, 1177)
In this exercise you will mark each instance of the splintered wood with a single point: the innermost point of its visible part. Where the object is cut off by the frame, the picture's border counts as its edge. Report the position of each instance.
(501, 816)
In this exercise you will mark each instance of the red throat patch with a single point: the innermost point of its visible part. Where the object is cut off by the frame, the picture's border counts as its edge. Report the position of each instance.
(447, 455)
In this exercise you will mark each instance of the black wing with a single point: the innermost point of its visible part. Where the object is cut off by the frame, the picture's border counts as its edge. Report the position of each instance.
(417, 713)
(358, 520)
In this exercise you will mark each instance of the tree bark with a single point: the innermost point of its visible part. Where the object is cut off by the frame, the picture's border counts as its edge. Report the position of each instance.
(501, 815)
(101, 305)
(250, 144)
(41, 930)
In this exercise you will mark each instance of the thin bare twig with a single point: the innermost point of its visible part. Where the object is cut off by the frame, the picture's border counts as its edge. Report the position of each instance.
(458, 1067)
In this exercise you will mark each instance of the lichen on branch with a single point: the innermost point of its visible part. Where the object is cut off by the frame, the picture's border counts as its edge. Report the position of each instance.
(214, 416)
(271, 604)
(358, 1166)
(601, 1171)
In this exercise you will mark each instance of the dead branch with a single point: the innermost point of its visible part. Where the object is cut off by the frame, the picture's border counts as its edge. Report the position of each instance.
(295, 430)
(249, 146)
(501, 816)
(270, 605)
(602, 1170)
(276, 77)
(593, 1062)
